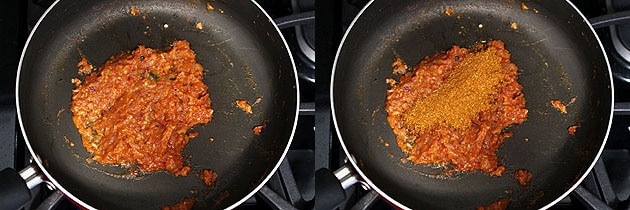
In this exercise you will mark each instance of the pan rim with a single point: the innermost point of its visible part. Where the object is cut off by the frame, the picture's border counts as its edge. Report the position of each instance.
(36, 157)
(349, 155)
(610, 118)
(297, 111)
(49, 178)
(381, 193)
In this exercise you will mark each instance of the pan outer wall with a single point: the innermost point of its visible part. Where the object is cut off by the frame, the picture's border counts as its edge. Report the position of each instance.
(559, 57)
(244, 57)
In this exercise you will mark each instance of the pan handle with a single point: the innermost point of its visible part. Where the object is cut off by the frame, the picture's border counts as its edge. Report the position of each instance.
(330, 186)
(346, 176)
(328, 191)
(31, 176)
(16, 186)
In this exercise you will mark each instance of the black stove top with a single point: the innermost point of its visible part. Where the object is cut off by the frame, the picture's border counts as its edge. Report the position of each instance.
(315, 143)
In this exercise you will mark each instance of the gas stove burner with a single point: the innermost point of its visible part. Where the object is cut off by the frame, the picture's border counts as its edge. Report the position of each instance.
(620, 41)
(305, 41)
(305, 34)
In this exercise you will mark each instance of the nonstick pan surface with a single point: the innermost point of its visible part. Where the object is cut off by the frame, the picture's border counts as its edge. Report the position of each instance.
(559, 57)
(244, 57)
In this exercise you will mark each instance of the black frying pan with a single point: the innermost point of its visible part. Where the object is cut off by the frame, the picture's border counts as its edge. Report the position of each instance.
(559, 57)
(244, 57)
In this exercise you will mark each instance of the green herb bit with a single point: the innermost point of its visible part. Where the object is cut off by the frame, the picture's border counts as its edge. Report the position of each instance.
(154, 76)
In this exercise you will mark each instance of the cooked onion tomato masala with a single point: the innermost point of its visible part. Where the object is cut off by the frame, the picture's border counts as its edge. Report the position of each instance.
(452, 108)
(137, 108)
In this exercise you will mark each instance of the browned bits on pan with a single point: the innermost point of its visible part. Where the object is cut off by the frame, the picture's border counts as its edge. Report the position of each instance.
(399, 67)
(386, 144)
(258, 100)
(68, 141)
(76, 82)
(572, 100)
(513, 25)
(193, 134)
(559, 106)
(85, 67)
(208, 177)
(221, 197)
(449, 11)
(572, 129)
(134, 11)
(209, 7)
(59, 114)
(523, 177)
(391, 82)
(244, 106)
(258, 129)
(523, 6)
(199, 25)
(497, 205)
(185, 204)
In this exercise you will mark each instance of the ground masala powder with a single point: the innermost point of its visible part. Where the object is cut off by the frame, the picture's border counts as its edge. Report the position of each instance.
(470, 88)
(452, 108)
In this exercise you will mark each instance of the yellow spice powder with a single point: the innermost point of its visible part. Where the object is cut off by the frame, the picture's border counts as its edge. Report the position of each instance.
(470, 88)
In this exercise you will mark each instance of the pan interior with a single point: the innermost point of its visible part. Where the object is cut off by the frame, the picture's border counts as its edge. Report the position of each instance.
(243, 58)
(558, 56)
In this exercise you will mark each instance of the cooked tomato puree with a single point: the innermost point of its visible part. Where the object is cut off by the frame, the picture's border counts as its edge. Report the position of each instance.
(523, 177)
(137, 108)
(500, 204)
(185, 204)
(452, 108)
(208, 177)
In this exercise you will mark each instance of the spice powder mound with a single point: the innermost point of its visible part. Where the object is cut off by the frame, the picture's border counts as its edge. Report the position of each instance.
(453, 107)
(137, 108)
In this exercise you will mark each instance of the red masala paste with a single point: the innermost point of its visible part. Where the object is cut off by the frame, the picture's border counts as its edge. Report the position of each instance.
(452, 108)
(137, 108)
